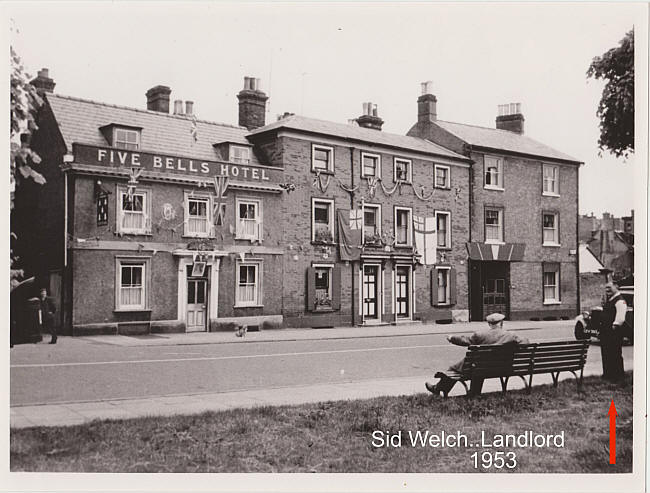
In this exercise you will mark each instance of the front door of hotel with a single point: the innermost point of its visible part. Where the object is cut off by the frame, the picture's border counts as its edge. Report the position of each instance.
(495, 288)
(402, 290)
(370, 292)
(197, 303)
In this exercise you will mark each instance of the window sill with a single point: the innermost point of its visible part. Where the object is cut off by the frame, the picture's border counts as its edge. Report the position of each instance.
(135, 233)
(552, 303)
(322, 171)
(550, 194)
(444, 248)
(246, 238)
(402, 245)
(442, 188)
(371, 176)
(131, 310)
(248, 306)
(442, 305)
(326, 243)
(194, 236)
(403, 182)
(491, 187)
(494, 242)
(553, 245)
(323, 310)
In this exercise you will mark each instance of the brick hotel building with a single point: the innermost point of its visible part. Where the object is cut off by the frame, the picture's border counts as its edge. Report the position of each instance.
(152, 220)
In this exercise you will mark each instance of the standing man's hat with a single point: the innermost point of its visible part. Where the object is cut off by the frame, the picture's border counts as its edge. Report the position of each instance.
(495, 318)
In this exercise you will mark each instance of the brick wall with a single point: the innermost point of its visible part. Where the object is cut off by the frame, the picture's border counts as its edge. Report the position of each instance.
(294, 154)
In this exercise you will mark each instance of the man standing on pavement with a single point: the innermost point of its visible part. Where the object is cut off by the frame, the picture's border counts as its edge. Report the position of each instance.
(493, 335)
(611, 333)
(47, 310)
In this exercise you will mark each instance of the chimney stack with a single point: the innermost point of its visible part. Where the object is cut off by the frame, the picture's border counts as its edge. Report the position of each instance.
(510, 118)
(42, 82)
(427, 104)
(252, 104)
(178, 107)
(369, 118)
(158, 99)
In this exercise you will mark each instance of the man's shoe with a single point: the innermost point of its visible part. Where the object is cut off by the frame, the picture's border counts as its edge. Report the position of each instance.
(432, 388)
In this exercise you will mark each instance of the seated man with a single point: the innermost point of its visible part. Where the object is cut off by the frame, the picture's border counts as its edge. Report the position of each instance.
(493, 335)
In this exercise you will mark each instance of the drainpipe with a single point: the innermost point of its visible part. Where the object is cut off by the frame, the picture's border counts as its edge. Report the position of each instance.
(352, 266)
(579, 307)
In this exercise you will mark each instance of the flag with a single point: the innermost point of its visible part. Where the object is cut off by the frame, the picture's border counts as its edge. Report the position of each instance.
(425, 239)
(356, 219)
(349, 238)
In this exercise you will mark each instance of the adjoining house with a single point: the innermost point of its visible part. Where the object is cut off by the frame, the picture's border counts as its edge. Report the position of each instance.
(523, 241)
(611, 240)
(155, 221)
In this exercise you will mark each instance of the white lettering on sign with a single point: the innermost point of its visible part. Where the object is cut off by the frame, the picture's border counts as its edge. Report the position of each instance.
(126, 158)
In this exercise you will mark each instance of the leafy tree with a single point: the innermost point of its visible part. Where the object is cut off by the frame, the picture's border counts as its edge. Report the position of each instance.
(616, 107)
(25, 103)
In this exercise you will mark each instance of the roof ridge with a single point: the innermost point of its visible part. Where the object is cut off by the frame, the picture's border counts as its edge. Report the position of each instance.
(140, 110)
(489, 128)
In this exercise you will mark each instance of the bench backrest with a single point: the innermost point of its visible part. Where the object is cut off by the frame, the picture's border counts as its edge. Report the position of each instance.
(523, 359)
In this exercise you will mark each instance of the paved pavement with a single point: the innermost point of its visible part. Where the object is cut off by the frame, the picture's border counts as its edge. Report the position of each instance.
(72, 413)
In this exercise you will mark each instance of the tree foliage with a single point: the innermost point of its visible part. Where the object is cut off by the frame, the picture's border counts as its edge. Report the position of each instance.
(25, 103)
(616, 107)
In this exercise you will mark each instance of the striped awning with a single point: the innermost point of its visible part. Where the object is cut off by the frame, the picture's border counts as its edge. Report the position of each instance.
(506, 252)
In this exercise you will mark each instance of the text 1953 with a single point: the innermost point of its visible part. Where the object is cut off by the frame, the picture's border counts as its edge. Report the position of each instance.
(497, 460)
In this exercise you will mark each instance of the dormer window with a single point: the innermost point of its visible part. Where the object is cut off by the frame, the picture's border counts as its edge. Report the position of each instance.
(240, 154)
(126, 139)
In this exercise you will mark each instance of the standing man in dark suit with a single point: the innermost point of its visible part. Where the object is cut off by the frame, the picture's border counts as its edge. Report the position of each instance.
(611, 333)
(47, 310)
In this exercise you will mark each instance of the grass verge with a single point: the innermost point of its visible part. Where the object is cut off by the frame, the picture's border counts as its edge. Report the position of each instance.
(337, 436)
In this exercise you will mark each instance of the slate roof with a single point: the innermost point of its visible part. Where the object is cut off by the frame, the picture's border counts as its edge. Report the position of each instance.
(502, 139)
(79, 121)
(353, 132)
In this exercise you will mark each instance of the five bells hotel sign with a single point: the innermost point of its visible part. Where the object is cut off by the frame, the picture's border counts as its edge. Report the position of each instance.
(106, 157)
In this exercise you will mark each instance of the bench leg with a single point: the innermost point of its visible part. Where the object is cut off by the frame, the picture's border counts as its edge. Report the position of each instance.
(504, 383)
(555, 376)
(580, 379)
(530, 383)
(476, 385)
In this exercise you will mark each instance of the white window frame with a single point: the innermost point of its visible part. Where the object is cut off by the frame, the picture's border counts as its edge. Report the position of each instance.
(447, 300)
(377, 208)
(555, 192)
(188, 195)
(409, 225)
(239, 159)
(487, 160)
(409, 168)
(378, 167)
(146, 211)
(257, 301)
(330, 270)
(124, 144)
(144, 263)
(330, 204)
(501, 221)
(447, 184)
(447, 244)
(556, 294)
(330, 163)
(239, 230)
(555, 229)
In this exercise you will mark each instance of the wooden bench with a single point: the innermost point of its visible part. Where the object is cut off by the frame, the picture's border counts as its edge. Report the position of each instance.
(519, 360)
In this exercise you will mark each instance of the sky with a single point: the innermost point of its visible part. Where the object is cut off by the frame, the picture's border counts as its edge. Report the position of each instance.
(324, 60)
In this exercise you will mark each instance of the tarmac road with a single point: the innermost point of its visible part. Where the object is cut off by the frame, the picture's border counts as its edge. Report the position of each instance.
(107, 368)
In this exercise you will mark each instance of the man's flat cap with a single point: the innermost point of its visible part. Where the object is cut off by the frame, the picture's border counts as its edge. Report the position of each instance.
(495, 318)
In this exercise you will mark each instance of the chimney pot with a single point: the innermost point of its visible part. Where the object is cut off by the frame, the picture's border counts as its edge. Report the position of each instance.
(189, 108)
(252, 104)
(509, 118)
(158, 99)
(42, 82)
(178, 107)
(369, 118)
